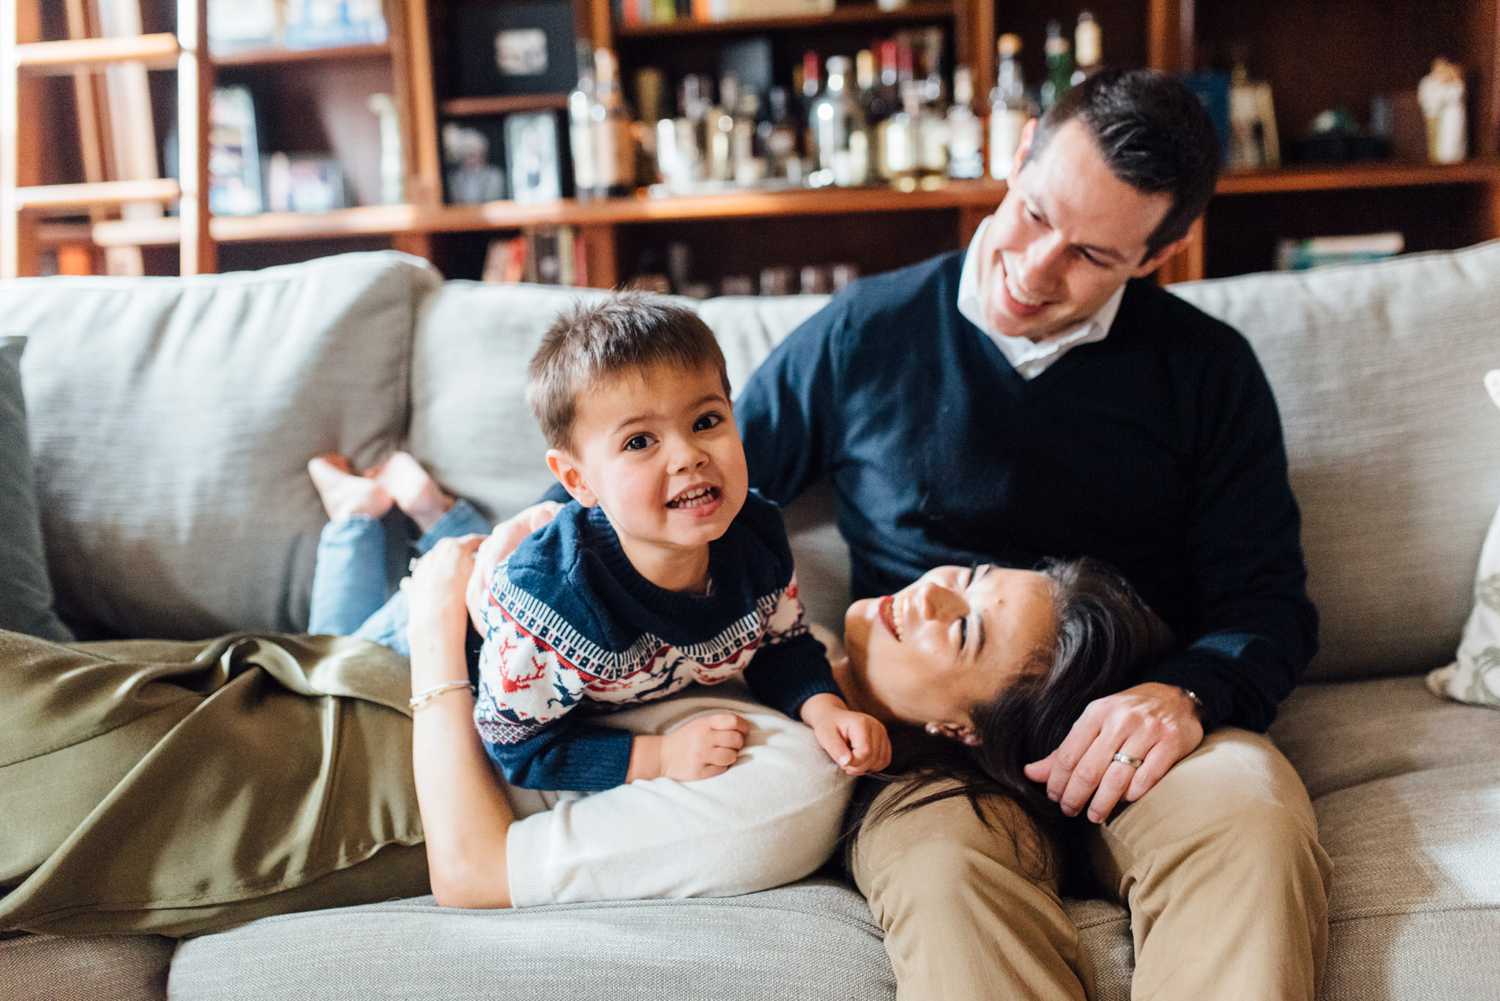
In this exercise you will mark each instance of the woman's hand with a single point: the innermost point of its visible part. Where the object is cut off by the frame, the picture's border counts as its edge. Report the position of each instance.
(1153, 723)
(501, 542)
(435, 591)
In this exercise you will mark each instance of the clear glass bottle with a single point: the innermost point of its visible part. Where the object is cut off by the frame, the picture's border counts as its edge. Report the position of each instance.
(581, 126)
(1059, 52)
(718, 137)
(838, 128)
(747, 164)
(1009, 108)
(897, 139)
(1088, 47)
(778, 138)
(614, 141)
(965, 131)
(932, 129)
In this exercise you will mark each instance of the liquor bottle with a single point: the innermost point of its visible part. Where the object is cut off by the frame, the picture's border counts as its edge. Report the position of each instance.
(896, 138)
(747, 165)
(719, 130)
(932, 128)
(965, 131)
(614, 144)
(778, 138)
(1059, 53)
(1009, 108)
(1088, 47)
(838, 128)
(581, 126)
(888, 93)
(810, 84)
(867, 86)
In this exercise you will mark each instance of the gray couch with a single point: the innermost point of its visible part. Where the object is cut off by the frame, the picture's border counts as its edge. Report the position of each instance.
(171, 420)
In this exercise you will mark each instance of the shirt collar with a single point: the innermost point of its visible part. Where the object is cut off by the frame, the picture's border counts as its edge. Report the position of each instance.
(1024, 354)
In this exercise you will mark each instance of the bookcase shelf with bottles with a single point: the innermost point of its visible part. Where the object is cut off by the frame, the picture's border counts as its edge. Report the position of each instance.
(1314, 53)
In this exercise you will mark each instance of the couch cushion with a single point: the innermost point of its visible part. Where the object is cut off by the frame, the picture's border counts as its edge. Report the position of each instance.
(1408, 802)
(812, 940)
(470, 425)
(26, 592)
(85, 968)
(1394, 454)
(171, 420)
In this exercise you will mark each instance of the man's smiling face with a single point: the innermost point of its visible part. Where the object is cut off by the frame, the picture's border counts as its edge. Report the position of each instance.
(1068, 234)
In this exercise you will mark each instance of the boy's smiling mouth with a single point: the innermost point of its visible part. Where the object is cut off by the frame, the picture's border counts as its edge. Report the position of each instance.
(700, 495)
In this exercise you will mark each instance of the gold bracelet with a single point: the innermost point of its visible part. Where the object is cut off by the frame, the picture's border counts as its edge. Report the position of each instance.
(425, 696)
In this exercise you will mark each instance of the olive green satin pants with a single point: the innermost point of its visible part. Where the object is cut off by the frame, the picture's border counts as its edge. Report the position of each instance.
(123, 800)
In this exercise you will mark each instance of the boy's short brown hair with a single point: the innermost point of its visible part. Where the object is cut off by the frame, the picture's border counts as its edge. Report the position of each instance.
(626, 332)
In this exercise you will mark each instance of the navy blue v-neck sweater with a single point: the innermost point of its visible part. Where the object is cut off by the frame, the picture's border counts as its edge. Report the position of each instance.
(1158, 450)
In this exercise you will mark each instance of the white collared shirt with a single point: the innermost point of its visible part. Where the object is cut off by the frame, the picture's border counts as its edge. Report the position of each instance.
(1029, 358)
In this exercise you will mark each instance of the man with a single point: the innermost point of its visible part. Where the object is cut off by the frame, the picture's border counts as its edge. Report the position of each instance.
(1037, 396)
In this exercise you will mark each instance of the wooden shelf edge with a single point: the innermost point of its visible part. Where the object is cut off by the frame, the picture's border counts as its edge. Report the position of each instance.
(392, 220)
(925, 11)
(466, 107)
(1332, 177)
(278, 56)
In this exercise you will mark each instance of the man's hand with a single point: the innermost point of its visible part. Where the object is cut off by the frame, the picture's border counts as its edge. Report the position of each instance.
(703, 748)
(1153, 722)
(857, 742)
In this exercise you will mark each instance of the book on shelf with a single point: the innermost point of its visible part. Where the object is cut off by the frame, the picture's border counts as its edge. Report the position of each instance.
(635, 13)
(546, 255)
(1299, 255)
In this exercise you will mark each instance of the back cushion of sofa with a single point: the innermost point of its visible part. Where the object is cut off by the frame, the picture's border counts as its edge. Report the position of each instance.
(472, 428)
(1394, 445)
(171, 421)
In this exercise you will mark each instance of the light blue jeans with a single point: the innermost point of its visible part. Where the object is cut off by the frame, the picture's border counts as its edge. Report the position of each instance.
(359, 564)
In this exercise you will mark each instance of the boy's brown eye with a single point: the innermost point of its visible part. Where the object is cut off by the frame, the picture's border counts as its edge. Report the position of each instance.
(707, 421)
(637, 442)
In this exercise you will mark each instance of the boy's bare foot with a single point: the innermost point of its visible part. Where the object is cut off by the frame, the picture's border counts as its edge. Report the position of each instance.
(414, 490)
(345, 493)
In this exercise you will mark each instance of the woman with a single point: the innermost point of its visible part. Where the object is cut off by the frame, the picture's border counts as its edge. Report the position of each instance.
(994, 664)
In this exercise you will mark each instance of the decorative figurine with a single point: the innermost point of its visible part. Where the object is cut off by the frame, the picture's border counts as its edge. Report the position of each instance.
(1441, 95)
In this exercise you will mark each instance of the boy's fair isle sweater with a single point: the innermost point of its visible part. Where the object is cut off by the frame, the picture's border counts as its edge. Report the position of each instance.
(571, 625)
(1157, 450)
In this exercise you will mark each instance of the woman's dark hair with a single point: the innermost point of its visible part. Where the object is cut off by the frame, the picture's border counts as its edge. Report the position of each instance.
(1154, 135)
(1105, 635)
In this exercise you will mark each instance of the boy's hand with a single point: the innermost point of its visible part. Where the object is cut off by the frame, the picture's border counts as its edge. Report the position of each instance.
(706, 747)
(857, 742)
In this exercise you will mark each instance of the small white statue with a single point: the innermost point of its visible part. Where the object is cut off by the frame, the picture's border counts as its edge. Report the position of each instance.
(1441, 95)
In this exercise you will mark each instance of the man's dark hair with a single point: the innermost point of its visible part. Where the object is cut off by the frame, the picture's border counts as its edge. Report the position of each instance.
(594, 341)
(1154, 135)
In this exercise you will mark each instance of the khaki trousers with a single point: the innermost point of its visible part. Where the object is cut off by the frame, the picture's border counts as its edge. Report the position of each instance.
(1219, 865)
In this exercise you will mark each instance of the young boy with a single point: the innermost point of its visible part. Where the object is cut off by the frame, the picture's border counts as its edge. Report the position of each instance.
(663, 571)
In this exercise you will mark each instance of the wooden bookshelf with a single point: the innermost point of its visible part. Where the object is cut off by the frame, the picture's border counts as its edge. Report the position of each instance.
(391, 220)
(464, 107)
(283, 56)
(840, 17)
(1375, 175)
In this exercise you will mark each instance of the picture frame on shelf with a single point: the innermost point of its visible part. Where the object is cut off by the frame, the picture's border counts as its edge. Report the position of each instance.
(305, 182)
(474, 164)
(512, 49)
(532, 157)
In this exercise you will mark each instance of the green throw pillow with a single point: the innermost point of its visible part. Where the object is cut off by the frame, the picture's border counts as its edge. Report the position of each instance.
(25, 590)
